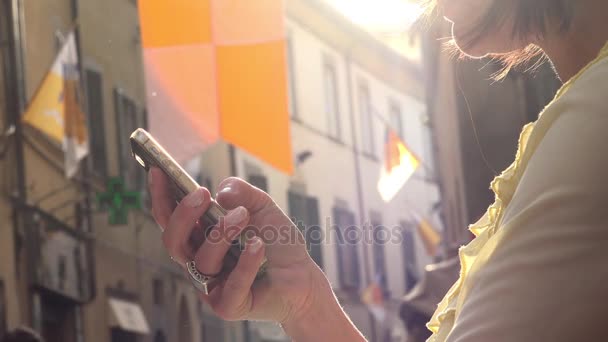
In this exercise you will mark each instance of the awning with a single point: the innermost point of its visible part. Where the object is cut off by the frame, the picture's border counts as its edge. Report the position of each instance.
(128, 316)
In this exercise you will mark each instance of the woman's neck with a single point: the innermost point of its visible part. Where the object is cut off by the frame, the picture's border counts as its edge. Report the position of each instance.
(572, 51)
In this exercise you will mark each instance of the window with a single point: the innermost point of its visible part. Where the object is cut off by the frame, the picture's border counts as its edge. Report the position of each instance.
(97, 140)
(367, 128)
(408, 249)
(396, 119)
(159, 337)
(212, 329)
(184, 333)
(127, 122)
(304, 211)
(332, 106)
(58, 318)
(259, 181)
(380, 238)
(293, 100)
(119, 335)
(348, 253)
(158, 291)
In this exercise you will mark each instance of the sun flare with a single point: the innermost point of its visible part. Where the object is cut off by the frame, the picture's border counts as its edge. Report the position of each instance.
(379, 15)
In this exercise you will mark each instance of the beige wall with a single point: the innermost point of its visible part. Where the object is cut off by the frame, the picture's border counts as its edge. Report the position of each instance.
(329, 175)
(44, 24)
(45, 21)
(332, 28)
(110, 44)
(131, 254)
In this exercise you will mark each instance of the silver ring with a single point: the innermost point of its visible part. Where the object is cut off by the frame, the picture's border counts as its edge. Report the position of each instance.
(199, 280)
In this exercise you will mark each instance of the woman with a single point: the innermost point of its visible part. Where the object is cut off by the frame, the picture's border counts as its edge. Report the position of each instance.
(537, 269)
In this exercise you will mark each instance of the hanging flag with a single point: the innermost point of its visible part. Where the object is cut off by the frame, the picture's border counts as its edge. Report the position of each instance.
(216, 69)
(56, 110)
(430, 236)
(398, 167)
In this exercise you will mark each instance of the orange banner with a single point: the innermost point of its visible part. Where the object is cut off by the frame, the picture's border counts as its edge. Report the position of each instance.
(253, 101)
(175, 22)
(216, 69)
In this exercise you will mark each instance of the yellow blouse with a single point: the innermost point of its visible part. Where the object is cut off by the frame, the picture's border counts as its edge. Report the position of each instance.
(538, 267)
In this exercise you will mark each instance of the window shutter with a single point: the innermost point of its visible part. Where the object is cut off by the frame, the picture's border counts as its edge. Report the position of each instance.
(409, 254)
(314, 235)
(348, 253)
(304, 212)
(95, 111)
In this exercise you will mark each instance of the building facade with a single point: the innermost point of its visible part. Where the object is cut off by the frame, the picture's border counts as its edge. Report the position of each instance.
(346, 90)
(66, 271)
(70, 274)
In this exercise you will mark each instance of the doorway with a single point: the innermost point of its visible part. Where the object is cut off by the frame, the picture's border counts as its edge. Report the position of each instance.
(58, 318)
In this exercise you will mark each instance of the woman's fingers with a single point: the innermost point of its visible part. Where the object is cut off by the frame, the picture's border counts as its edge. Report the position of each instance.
(236, 300)
(181, 223)
(231, 296)
(235, 192)
(163, 201)
(209, 258)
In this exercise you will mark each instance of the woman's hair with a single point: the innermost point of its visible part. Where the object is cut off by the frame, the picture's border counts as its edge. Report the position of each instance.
(530, 18)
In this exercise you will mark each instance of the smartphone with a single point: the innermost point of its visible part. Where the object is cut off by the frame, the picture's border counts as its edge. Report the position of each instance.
(149, 153)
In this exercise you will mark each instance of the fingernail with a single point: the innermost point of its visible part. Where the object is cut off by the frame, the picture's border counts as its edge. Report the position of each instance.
(224, 190)
(235, 216)
(195, 199)
(254, 245)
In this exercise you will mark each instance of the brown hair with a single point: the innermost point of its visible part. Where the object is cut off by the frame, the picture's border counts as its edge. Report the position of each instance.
(531, 18)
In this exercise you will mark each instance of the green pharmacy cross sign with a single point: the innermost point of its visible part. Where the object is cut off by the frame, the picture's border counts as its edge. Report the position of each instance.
(119, 201)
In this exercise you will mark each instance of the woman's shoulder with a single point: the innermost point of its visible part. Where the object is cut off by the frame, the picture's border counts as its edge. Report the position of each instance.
(569, 158)
(575, 129)
(588, 91)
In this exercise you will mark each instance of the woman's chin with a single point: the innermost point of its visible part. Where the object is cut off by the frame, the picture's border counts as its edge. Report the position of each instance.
(498, 43)
(468, 49)
(471, 51)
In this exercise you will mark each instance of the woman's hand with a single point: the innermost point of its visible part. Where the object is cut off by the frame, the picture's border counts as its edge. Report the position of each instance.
(293, 292)
(291, 276)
